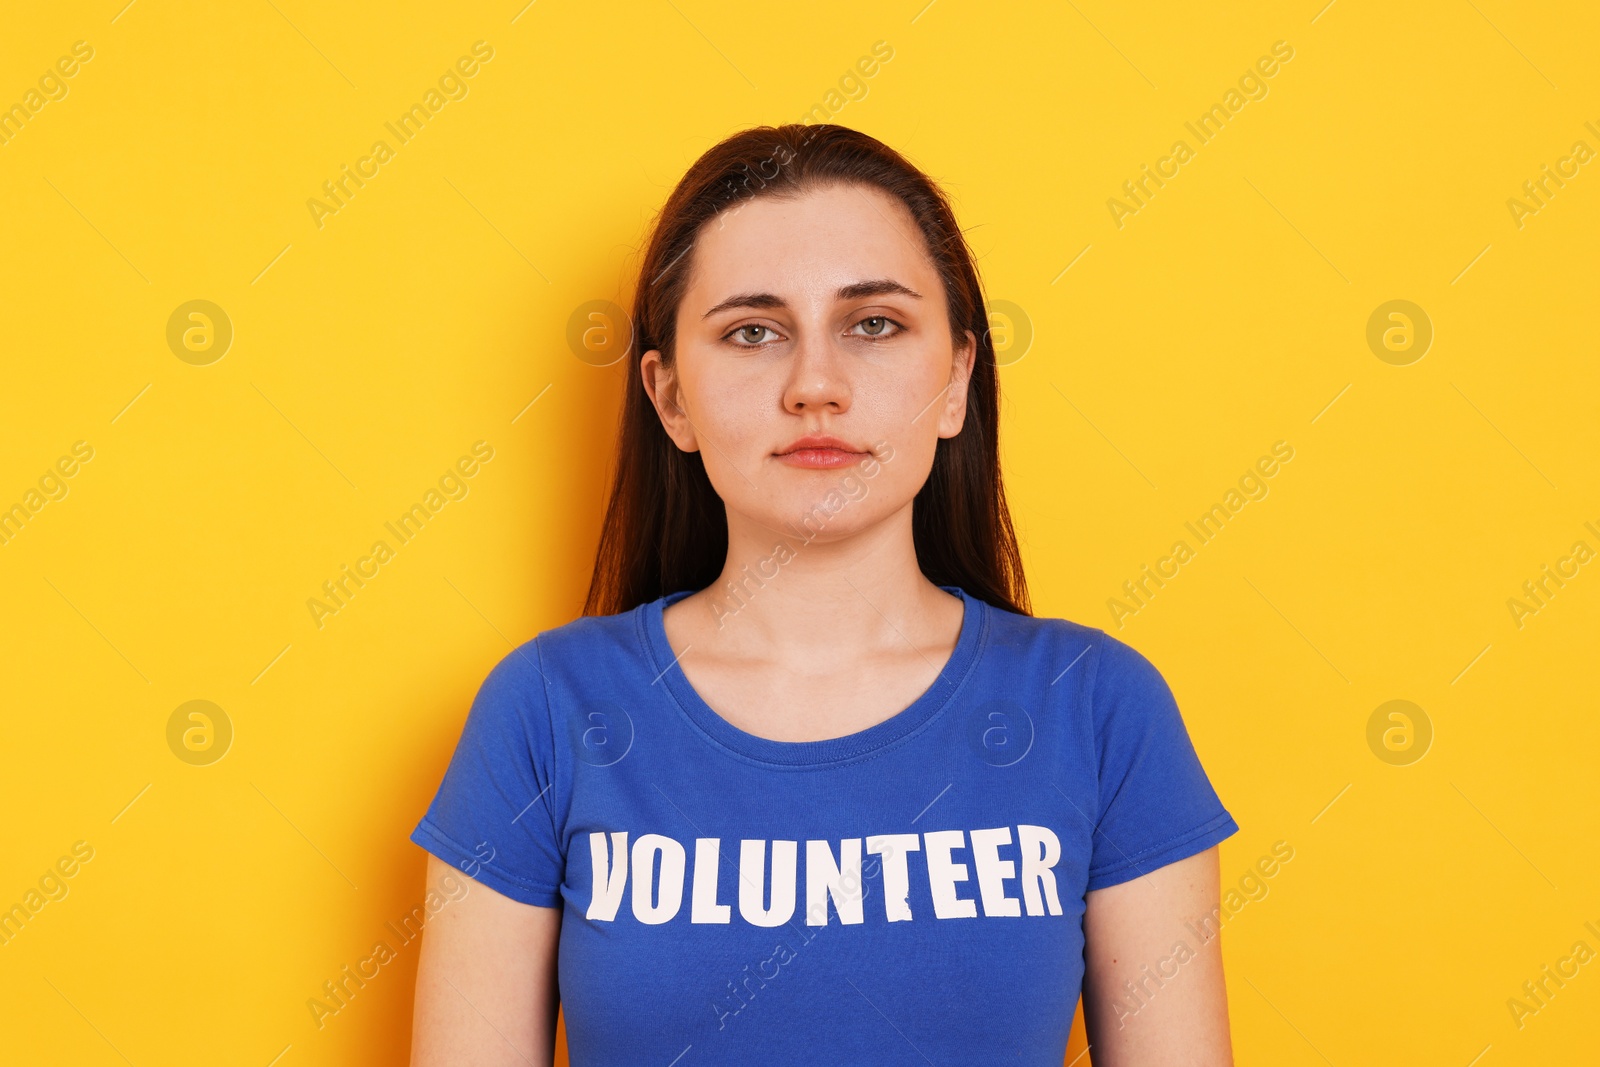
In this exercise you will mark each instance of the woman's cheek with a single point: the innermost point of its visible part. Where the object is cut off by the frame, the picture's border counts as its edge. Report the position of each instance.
(723, 408)
(743, 427)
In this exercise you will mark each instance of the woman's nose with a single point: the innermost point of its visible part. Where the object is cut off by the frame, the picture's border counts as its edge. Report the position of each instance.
(818, 375)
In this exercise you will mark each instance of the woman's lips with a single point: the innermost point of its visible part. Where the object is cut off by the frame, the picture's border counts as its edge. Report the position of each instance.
(820, 458)
(820, 452)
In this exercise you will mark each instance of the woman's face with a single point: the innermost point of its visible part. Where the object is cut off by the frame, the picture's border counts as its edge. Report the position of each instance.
(815, 369)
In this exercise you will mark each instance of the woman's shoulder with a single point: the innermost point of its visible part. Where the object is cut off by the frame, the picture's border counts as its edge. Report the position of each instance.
(589, 643)
(589, 636)
(1011, 625)
(1010, 629)
(1111, 666)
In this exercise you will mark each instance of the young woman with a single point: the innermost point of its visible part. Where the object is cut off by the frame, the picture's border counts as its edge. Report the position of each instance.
(808, 783)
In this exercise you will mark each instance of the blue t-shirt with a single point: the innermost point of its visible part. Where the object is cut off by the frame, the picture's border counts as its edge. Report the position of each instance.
(909, 894)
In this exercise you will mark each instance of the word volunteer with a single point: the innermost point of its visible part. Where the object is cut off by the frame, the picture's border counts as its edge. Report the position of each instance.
(658, 867)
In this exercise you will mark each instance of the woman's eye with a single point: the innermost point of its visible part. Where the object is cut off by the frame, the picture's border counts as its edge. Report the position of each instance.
(750, 334)
(878, 326)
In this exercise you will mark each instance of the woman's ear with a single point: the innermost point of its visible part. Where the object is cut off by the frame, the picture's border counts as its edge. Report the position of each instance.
(954, 414)
(661, 385)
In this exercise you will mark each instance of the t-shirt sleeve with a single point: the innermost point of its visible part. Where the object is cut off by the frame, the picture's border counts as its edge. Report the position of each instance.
(493, 816)
(1156, 804)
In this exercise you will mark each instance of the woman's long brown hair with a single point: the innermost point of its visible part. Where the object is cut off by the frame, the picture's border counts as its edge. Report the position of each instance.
(665, 528)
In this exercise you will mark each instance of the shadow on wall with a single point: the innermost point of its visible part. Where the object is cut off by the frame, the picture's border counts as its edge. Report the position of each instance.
(552, 545)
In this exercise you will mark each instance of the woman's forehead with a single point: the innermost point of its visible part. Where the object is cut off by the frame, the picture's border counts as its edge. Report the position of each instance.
(811, 244)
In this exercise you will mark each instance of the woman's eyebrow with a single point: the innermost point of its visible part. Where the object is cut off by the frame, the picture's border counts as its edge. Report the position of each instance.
(878, 287)
(747, 300)
(853, 291)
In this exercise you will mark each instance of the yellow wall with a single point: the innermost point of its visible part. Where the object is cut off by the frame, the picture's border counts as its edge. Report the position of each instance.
(1172, 347)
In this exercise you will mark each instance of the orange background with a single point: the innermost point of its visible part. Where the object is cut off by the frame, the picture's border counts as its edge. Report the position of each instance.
(1151, 357)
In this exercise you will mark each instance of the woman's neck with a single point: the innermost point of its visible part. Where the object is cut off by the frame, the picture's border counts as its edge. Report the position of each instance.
(802, 639)
(812, 593)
